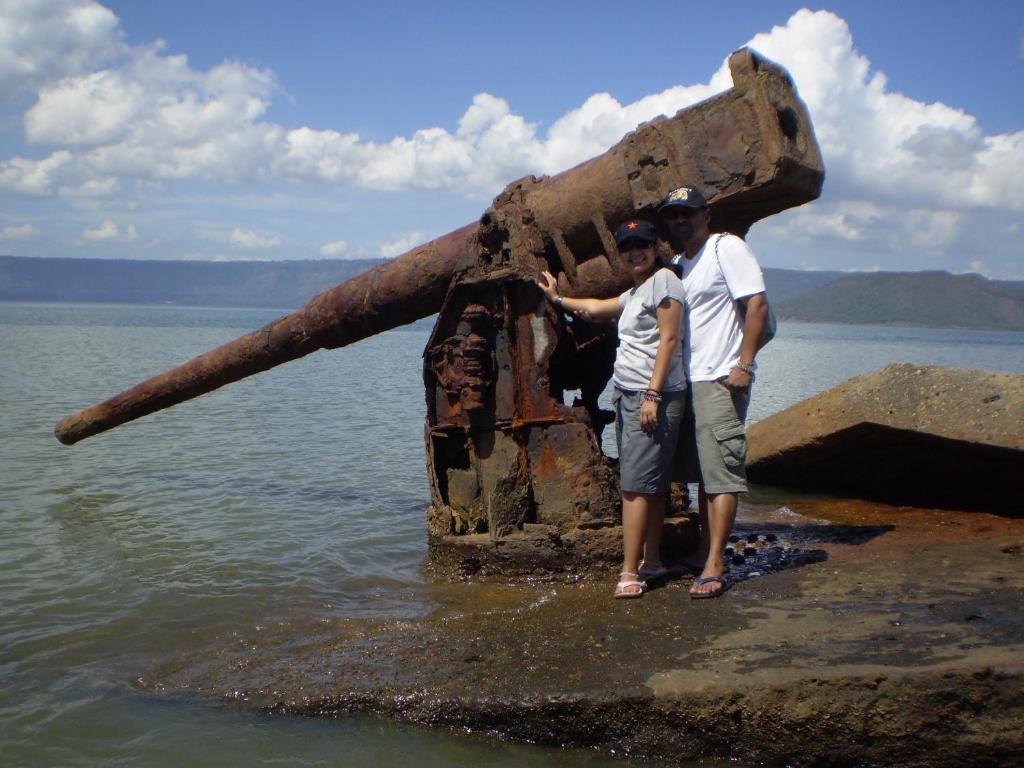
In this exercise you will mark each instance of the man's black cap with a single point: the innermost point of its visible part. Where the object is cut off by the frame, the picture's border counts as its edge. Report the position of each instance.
(635, 229)
(686, 197)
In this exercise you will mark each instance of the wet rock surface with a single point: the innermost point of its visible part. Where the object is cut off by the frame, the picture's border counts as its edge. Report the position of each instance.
(905, 434)
(856, 634)
(538, 551)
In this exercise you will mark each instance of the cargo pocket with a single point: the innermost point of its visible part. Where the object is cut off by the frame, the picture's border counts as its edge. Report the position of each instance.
(732, 442)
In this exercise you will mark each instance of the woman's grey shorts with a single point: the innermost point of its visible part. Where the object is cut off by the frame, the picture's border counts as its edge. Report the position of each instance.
(645, 460)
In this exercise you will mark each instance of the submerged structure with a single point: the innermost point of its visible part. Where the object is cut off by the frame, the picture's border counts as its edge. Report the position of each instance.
(518, 478)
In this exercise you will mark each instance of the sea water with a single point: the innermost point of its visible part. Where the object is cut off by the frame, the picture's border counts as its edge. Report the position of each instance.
(287, 499)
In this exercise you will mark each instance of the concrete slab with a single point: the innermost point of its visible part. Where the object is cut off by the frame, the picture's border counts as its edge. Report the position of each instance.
(905, 434)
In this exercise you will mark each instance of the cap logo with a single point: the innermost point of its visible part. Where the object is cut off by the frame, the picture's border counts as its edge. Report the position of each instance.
(679, 194)
(631, 225)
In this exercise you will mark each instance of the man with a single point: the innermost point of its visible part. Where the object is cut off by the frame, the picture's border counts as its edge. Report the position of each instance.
(726, 315)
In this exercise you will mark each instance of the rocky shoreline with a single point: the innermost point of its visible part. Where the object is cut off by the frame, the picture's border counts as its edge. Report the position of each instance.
(862, 635)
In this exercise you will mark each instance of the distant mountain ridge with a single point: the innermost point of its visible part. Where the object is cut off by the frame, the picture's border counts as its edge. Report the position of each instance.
(936, 299)
(256, 284)
(786, 284)
(911, 298)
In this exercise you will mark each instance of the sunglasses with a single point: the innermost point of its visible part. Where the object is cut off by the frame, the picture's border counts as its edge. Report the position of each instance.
(680, 212)
(633, 244)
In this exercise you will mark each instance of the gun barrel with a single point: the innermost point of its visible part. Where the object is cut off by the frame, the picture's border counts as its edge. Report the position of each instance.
(407, 288)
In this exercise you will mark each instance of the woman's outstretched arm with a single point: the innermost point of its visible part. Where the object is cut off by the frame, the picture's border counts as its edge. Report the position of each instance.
(594, 309)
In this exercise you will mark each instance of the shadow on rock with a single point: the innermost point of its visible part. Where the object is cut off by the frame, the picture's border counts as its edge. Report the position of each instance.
(762, 548)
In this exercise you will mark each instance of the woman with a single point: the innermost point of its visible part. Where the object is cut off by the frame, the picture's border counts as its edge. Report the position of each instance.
(649, 393)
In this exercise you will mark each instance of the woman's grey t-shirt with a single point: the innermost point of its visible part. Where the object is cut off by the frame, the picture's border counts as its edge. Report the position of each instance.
(639, 335)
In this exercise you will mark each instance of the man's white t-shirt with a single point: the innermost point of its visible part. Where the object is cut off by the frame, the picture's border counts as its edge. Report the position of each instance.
(639, 335)
(713, 336)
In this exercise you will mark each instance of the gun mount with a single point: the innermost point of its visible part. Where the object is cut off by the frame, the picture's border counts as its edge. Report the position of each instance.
(518, 479)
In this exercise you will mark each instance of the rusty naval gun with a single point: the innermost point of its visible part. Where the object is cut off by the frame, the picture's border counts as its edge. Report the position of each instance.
(518, 480)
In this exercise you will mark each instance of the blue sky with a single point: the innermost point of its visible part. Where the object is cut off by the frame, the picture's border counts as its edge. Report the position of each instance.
(272, 130)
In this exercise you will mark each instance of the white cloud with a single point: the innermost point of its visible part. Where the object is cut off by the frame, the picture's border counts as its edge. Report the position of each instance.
(401, 245)
(491, 145)
(238, 257)
(246, 239)
(18, 232)
(105, 231)
(146, 116)
(881, 145)
(155, 118)
(932, 229)
(150, 100)
(34, 178)
(849, 222)
(221, 257)
(43, 41)
(866, 225)
(334, 248)
(109, 232)
(99, 187)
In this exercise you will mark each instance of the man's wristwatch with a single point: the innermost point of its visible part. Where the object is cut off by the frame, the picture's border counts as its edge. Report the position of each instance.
(745, 367)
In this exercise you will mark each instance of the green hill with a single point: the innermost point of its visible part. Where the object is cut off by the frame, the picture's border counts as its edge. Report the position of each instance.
(786, 284)
(936, 299)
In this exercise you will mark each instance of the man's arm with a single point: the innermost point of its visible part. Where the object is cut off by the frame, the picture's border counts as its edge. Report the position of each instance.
(753, 329)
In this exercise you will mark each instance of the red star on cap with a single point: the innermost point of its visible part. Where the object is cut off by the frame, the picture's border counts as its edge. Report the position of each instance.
(631, 225)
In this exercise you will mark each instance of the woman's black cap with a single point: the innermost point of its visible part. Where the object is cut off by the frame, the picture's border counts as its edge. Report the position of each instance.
(636, 230)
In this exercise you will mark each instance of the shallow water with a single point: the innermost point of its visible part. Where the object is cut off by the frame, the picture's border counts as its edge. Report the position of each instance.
(277, 502)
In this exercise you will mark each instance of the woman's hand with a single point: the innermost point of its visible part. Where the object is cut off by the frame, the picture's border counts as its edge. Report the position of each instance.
(649, 416)
(548, 285)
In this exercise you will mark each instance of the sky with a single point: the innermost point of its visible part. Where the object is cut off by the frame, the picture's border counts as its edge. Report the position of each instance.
(265, 130)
